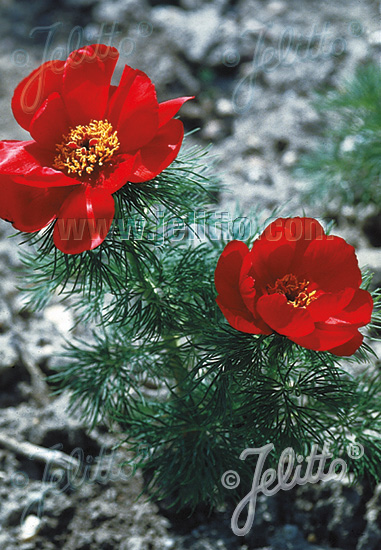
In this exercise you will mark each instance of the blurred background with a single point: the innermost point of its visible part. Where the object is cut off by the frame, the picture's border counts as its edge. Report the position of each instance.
(288, 93)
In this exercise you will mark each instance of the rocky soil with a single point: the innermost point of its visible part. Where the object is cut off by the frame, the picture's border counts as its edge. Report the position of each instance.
(254, 67)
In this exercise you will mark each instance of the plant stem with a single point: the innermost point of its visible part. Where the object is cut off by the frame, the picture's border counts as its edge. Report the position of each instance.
(179, 370)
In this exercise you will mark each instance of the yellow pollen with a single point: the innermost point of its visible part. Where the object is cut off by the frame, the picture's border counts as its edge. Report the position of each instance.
(296, 292)
(85, 148)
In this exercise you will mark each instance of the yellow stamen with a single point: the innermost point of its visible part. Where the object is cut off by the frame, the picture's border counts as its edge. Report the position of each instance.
(86, 147)
(296, 292)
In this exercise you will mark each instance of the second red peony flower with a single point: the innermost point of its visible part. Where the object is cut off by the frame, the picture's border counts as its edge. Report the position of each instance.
(298, 282)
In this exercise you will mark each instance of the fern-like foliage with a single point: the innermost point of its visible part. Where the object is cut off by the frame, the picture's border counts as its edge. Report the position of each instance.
(345, 169)
(187, 392)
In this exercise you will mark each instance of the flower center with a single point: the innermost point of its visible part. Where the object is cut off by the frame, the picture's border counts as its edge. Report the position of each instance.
(295, 291)
(85, 148)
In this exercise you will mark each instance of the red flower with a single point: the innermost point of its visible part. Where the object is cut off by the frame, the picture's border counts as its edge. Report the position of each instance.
(298, 282)
(89, 139)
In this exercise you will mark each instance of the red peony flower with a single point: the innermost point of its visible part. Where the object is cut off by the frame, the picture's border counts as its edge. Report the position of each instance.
(89, 139)
(298, 282)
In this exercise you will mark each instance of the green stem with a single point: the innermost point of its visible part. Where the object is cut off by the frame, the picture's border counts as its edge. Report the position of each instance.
(179, 370)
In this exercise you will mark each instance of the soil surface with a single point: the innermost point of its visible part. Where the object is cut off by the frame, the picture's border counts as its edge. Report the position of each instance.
(254, 67)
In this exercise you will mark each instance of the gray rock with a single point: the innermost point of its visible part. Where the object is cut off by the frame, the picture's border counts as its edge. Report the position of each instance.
(121, 11)
(214, 130)
(172, 45)
(371, 538)
(29, 528)
(370, 257)
(289, 537)
(5, 316)
(8, 353)
(375, 38)
(81, 3)
(256, 171)
(193, 33)
(5, 540)
(197, 4)
(277, 8)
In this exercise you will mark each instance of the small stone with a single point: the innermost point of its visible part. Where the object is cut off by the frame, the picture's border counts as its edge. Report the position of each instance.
(277, 8)
(256, 171)
(81, 3)
(10, 513)
(193, 32)
(348, 144)
(5, 540)
(191, 4)
(369, 257)
(224, 107)
(60, 317)
(120, 10)
(30, 528)
(135, 543)
(8, 353)
(349, 211)
(374, 38)
(5, 317)
(289, 158)
(253, 144)
(252, 27)
(289, 536)
(213, 130)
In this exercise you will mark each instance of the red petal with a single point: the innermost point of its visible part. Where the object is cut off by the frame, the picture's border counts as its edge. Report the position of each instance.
(332, 264)
(86, 82)
(230, 281)
(117, 95)
(84, 220)
(111, 91)
(34, 89)
(50, 122)
(303, 231)
(168, 109)
(29, 165)
(349, 347)
(271, 257)
(29, 208)
(115, 177)
(299, 230)
(284, 317)
(325, 337)
(247, 288)
(159, 153)
(133, 110)
(328, 305)
(227, 274)
(279, 249)
(248, 293)
(357, 313)
(242, 320)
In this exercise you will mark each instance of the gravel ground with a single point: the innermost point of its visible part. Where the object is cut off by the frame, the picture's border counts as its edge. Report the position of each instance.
(253, 67)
